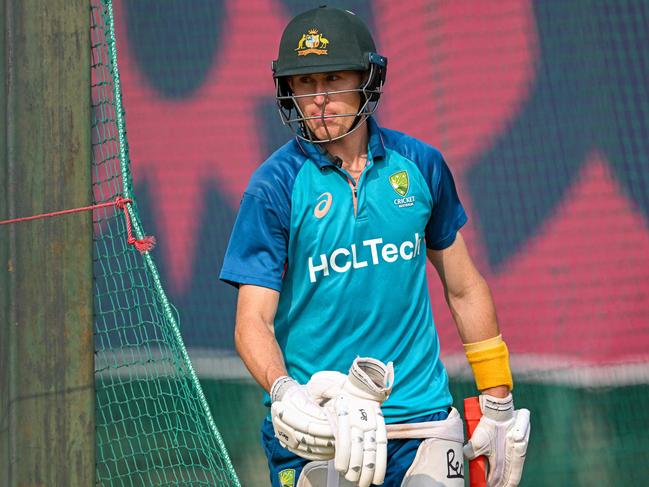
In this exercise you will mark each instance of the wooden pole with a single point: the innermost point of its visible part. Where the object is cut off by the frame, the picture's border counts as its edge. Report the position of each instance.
(46, 328)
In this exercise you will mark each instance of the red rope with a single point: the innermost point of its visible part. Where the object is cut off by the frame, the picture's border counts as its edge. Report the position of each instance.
(143, 245)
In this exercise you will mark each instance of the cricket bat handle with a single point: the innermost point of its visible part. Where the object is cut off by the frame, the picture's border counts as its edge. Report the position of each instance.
(477, 466)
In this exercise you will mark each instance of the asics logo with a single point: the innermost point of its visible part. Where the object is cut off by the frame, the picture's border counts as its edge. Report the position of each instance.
(324, 203)
(370, 252)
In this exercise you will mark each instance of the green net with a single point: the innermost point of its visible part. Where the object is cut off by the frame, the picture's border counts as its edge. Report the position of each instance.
(153, 424)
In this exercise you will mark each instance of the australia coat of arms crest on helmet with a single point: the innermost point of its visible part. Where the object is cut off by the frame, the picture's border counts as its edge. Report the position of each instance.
(313, 42)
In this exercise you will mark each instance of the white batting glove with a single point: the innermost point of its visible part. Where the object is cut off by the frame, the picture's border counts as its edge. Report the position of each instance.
(355, 401)
(502, 435)
(301, 425)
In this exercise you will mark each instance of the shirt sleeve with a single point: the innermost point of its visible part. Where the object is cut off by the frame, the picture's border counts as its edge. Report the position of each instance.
(257, 250)
(447, 215)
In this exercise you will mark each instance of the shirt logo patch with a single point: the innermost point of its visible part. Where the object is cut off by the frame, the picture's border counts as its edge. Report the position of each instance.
(287, 477)
(400, 182)
(312, 42)
(324, 203)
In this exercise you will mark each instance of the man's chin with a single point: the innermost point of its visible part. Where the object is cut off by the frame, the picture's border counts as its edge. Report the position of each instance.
(322, 134)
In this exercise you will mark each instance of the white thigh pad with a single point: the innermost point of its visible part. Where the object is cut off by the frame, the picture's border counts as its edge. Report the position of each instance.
(439, 461)
(322, 474)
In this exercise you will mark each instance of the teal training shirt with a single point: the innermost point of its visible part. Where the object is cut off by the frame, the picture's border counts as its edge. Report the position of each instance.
(352, 282)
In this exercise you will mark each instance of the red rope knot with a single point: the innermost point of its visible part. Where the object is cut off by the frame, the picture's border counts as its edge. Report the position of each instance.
(142, 245)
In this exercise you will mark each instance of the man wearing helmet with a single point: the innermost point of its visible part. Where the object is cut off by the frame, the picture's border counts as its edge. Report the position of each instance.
(333, 315)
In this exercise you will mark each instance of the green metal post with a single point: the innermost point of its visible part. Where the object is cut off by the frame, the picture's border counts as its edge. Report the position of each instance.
(46, 335)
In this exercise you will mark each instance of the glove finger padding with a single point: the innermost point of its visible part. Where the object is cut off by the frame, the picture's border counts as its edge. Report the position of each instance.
(359, 455)
(502, 435)
(368, 471)
(311, 452)
(325, 385)
(294, 437)
(355, 401)
(303, 419)
(356, 433)
(381, 451)
(301, 425)
(355, 456)
(517, 440)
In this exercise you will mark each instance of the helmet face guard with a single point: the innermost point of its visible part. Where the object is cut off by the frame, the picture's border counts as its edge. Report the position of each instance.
(370, 92)
(325, 40)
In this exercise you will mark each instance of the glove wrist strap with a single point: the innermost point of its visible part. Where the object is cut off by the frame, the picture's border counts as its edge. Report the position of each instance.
(280, 386)
(496, 408)
(371, 378)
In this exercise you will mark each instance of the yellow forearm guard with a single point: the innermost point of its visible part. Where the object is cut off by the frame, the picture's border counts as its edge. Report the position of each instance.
(489, 360)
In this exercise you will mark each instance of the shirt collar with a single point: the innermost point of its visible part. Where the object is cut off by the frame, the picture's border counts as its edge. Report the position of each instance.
(376, 149)
(375, 144)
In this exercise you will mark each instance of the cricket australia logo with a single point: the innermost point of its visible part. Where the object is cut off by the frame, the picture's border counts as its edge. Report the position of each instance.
(313, 42)
(287, 477)
(401, 185)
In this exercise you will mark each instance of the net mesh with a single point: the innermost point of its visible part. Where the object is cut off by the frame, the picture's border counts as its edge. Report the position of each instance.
(153, 426)
(541, 110)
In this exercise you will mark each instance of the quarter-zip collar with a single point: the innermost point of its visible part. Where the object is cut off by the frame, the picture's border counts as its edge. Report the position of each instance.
(316, 153)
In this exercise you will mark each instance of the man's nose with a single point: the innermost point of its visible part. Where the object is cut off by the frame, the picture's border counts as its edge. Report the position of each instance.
(321, 98)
